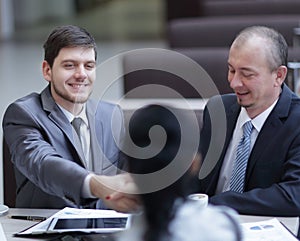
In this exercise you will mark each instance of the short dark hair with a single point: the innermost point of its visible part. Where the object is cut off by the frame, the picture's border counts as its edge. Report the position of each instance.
(67, 36)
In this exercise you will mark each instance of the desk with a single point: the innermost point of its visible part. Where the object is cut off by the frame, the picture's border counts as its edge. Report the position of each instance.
(132, 103)
(11, 226)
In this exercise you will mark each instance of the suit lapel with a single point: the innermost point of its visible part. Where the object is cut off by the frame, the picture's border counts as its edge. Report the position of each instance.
(271, 125)
(232, 119)
(267, 133)
(96, 152)
(232, 112)
(58, 117)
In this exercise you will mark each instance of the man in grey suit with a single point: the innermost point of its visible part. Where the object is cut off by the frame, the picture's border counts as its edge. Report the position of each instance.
(54, 166)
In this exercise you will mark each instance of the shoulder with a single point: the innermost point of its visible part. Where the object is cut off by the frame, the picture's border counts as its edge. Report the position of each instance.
(221, 107)
(27, 103)
(288, 104)
(34, 101)
(222, 100)
(28, 99)
(105, 111)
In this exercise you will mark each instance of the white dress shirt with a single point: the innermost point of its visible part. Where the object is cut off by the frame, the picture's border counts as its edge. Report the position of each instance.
(230, 156)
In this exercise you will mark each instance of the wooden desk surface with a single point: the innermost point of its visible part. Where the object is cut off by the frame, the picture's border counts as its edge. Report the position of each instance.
(11, 226)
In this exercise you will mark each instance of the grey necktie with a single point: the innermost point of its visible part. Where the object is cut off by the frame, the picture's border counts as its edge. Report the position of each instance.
(77, 122)
(243, 151)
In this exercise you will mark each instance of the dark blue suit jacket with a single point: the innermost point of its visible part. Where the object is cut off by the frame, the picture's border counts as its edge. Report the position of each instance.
(272, 185)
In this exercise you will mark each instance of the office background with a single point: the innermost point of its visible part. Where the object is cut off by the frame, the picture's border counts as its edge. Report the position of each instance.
(200, 29)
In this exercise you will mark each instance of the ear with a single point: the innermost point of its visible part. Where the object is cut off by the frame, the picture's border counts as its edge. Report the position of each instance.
(47, 72)
(281, 74)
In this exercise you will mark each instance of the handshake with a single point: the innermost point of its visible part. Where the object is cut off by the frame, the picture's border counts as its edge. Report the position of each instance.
(118, 192)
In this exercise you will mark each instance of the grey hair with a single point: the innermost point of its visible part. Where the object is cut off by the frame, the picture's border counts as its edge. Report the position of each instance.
(276, 49)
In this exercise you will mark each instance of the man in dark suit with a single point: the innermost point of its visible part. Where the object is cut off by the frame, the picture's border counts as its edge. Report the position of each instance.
(271, 182)
(54, 166)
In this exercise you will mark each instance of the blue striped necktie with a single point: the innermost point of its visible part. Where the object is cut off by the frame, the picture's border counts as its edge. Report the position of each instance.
(242, 154)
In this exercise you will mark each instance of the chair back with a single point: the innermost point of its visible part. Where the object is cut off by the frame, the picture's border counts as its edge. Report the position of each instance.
(212, 61)
(9, 181)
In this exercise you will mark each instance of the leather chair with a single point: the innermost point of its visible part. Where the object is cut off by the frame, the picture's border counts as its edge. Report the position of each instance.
(248, 7)
(204, 8)
(9, 181)
(220, 31)
(213, 62)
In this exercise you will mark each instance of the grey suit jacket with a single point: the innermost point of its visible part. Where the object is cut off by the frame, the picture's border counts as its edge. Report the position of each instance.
(49, 169)
(272, 185)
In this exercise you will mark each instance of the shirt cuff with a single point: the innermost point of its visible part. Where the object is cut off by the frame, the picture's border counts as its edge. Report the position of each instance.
(86, 191)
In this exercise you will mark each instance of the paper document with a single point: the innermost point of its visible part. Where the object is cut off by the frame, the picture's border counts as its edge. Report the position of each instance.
(269, 230)
(2, 234)
(80, 220)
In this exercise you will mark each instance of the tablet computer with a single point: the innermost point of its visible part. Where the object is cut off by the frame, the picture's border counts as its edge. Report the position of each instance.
(89, 225)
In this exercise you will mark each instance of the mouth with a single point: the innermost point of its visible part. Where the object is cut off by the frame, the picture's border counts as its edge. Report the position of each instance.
(241, 94)
(77, 86)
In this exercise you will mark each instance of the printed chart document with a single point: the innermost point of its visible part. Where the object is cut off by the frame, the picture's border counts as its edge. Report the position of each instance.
(80, 220)
(269, 230)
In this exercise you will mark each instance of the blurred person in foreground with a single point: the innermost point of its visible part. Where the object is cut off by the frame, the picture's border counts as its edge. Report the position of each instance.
(270, 178)
(167, 213)
(54, 166)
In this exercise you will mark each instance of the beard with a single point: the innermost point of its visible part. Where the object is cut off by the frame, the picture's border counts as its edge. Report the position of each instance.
(79, 98)
(243, 104)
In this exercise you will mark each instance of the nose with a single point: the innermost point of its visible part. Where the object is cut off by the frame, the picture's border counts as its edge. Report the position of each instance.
(80, 73)
(234, 80)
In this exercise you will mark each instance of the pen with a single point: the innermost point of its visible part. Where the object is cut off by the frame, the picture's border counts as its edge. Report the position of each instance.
(31, 218)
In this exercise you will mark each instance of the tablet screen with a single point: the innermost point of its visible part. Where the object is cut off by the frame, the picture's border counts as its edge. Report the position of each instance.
(89, 224)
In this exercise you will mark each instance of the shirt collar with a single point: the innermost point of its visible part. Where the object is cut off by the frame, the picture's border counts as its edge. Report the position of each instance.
(258, 121)
(70, 116)
(243, 118)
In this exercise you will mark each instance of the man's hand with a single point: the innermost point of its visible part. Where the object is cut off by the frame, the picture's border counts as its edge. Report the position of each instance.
(118, 192)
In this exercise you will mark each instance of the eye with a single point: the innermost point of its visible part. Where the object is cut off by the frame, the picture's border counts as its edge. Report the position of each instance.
(231, 70)
(90, 66)
(68, 65)
(248, 74)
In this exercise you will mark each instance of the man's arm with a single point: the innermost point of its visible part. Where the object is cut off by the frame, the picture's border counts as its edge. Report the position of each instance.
(280, 198)
(33, 152)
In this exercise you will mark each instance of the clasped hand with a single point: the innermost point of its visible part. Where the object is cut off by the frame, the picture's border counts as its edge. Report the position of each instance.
(118, 192)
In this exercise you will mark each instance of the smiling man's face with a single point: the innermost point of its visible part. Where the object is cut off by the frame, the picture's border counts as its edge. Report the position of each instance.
(71, 76)
(254, 83)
